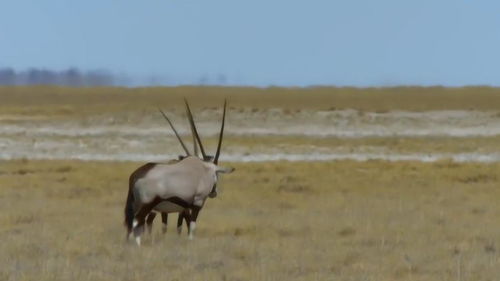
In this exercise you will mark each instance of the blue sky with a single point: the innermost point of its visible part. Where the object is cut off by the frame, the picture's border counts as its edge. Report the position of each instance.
(261, 42)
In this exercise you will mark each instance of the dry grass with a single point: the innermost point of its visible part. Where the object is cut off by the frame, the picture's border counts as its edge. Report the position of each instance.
(396, 144)
(75, 101)
(62, 220)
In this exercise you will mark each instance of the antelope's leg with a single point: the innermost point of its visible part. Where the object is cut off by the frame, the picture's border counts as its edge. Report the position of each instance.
(187, 218)
(140, 218)
(149, 222)
(179, 222)
(138, 228)
(192, 224)
(164, 220)
(127, 237)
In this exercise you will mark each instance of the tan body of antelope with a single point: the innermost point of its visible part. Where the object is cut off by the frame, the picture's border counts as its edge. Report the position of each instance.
(186, 214)
(182, 187)
(183, 215)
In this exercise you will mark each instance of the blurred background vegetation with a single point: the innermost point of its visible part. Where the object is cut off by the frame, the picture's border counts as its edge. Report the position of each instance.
(321, 98)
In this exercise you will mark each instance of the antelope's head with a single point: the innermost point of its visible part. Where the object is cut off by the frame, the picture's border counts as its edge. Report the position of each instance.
(209, 159)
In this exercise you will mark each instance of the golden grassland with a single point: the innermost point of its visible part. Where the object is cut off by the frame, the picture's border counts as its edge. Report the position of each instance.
(75, 101)
(344, 220)
(62, 220)
(396, 144)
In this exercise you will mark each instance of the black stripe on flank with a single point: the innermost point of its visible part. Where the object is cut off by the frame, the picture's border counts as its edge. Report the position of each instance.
(178, 201)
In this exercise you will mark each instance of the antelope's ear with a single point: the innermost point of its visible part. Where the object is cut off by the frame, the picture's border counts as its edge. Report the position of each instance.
(225, 170)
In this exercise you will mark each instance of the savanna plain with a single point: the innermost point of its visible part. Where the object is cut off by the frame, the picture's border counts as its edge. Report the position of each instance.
(402, 184)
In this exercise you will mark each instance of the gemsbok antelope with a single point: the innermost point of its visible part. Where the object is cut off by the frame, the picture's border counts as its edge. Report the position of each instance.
(184, 215)
(175, 187)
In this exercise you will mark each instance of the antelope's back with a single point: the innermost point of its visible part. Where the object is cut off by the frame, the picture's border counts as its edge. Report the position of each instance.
(180, 179)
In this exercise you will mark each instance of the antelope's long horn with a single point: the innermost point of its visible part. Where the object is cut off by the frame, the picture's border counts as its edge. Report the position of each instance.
(175, 131)
(195, 146)
(193, 128)
(216, 160)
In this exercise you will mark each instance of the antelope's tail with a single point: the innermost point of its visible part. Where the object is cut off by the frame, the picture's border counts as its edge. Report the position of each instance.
(129, 210)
